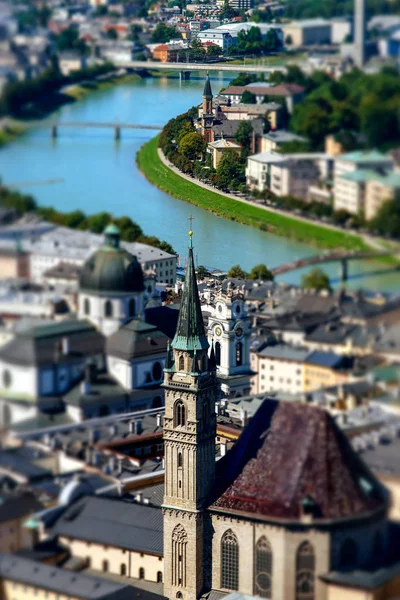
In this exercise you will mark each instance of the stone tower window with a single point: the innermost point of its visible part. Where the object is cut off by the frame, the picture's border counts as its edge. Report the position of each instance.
(180, 459)
(305, 572)
(108, 309)
(218, 353)
(141, 573)
(179, 414)
(263, 578)
(181, 363)
(86, 306)
(159, 577)
(131, 307)
(179, 544)
(229, 561)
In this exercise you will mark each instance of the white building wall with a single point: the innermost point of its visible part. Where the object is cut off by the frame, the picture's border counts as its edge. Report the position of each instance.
(277, 375)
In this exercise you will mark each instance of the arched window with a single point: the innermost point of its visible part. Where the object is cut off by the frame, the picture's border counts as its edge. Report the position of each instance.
(179, 414)
(88, 562)
(218, 353)
(179, 595)
(305, 572)
(181, 363)
(157, 371)
(132, 307)
(123, 569)
(348, 554)
(180, 459)
(108, 309)
(105, 566)
(239, 354)
(179, 543)
(263, 576)
(86, 306)
(141, 573)
(229, 561)
(159, 577)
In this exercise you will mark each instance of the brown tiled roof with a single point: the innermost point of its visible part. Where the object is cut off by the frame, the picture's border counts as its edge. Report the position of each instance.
(291, 453)
(284, 89)
(234, 90)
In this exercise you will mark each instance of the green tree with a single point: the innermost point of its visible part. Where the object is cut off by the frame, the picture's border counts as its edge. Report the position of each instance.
(267, 122)
(237, 272)
(192, 146)
(243, 137)
(202, 273)
(387, 220)
(112, 34)
(163, 34)
(230, 171)
(261, 272)
(248, 97)
(316, 279)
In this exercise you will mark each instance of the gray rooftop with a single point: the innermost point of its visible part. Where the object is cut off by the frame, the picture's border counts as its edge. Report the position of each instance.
(285, 352)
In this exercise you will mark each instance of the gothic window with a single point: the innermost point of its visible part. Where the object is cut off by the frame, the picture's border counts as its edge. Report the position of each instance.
(86, 306)
(123, 569)
(131, 307)
(348, 554)
(105, 566)
(179, 545)
(263, 575)
(157, 371)
(305, 572)
(108, 309)
(141, 573)
(179, 414)
(229, 561)
(180, 459)
(181, 363)
(239, 354)
(159, 577)
(218, 353)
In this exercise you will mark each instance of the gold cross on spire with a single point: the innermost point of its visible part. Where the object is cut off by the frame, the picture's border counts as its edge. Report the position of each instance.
(191, 219)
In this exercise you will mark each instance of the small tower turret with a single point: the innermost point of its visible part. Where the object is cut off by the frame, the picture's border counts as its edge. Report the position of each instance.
(208, 117)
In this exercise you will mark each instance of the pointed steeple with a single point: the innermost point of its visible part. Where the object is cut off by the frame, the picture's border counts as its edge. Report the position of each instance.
(190, 333)
(207, 93)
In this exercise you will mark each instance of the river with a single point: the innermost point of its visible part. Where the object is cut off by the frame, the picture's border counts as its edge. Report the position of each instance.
(100, 174)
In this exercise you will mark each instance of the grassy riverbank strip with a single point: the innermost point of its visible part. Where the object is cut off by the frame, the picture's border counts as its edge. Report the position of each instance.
(167, 180)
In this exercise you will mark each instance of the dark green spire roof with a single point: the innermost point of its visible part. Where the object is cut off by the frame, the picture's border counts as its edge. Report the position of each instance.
(190, 331)
(207, 93)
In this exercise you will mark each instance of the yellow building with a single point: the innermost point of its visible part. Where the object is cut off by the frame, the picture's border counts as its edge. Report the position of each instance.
(218, 148)
(325, 369)
(378, 191)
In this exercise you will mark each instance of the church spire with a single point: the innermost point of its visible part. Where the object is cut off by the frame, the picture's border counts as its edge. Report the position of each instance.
(190, 334)
(207, 93)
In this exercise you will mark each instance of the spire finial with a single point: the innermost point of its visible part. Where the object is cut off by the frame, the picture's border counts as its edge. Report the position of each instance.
(191, 219)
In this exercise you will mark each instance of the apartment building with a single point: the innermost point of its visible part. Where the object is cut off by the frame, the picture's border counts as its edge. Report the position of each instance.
(288, 174)
(280, 368)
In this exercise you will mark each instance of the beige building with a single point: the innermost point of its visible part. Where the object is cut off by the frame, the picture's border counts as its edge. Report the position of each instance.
(274, 140)
(325, 369)
(307, 32)
(287, 174)
(378, 191)
(218, 148)
(14, 264)
(279, 368)
(23, 579)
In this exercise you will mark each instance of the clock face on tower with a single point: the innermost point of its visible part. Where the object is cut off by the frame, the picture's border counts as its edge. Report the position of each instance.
(218, 331)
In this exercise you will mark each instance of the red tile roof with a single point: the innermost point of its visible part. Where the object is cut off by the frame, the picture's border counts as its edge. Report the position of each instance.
(291, 453)
(234, 90)
(285, 89)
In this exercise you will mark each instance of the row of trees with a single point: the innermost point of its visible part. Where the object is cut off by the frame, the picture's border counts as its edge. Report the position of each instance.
(315, 279)
(77, 219)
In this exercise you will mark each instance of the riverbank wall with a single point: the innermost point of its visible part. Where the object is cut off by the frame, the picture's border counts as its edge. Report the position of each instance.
(155, 167)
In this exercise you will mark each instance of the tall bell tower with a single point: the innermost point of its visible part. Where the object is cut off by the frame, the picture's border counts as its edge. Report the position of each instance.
(189, 437)
(207, 117)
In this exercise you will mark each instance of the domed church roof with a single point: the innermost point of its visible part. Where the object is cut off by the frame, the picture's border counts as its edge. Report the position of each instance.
(111, 269)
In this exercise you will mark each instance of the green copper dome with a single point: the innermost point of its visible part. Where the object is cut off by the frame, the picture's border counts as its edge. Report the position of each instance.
(111, 269)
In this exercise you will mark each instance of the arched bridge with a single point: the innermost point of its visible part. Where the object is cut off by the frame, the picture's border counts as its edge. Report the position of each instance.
(335, 256)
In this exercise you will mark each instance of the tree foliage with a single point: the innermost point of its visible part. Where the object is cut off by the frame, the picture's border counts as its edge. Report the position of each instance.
(387, 220)
(230, 170)
(316, 279)
(237, 272)
(162, 34)
(192, 146)
(262, 272)
(202, 273)
(248, 97)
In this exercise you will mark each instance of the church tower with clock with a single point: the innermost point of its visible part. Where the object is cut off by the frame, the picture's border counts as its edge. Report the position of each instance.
(229, 329)
(207, 118)
(191, 386)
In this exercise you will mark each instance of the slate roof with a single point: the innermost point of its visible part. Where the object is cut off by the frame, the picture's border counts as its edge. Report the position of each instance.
(128, 525)
(17, 504)
(229, 127)
(329, 360)
(135, 339)
(38, 346)
(290, 452)
(77, 585)
(190, 334)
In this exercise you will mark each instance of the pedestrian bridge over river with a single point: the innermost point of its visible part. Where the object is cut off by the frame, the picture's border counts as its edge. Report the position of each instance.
(56, 125)
(185, 68)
